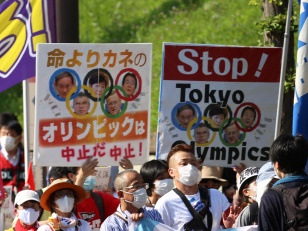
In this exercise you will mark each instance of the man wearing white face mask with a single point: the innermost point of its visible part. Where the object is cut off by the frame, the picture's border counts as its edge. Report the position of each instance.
(175, 206)
(27, 211)
(132, 194)
(12, 163)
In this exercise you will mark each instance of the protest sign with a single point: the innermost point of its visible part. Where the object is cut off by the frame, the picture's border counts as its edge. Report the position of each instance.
(92, 100)
(102, 178)
(222, 100)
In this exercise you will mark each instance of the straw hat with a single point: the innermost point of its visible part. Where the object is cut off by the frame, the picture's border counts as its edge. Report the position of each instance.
(213, 173)
(58, 185)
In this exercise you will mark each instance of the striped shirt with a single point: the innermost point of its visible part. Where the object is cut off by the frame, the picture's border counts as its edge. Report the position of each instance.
(115, 223)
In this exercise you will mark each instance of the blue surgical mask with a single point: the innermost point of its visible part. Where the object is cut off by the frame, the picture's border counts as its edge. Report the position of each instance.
(90, 183)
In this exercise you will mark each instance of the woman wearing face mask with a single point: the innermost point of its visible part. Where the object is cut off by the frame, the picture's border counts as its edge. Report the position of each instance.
(60, 198)
(100, 205)
(155, 173)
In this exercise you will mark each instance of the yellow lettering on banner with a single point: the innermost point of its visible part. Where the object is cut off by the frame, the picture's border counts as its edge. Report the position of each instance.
(13, 37)
(37, 24)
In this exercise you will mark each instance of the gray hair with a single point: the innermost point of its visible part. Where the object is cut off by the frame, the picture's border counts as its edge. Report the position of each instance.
(120, 181)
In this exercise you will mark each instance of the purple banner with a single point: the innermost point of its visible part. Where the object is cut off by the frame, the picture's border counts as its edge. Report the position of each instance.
(24, 24)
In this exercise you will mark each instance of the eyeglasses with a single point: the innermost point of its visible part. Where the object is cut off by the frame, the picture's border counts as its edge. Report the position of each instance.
(138, 186)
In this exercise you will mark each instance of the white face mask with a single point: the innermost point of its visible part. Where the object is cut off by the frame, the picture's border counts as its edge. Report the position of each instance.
(28, 216)
(8, 143)
(140, 198)
(254, 190)
(189, 175)
(65, 204)
(163, 186)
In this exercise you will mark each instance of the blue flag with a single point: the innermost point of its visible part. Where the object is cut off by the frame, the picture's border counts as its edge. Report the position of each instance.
(300, 109)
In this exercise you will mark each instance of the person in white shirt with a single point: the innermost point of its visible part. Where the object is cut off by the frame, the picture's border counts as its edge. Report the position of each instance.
(183, 168)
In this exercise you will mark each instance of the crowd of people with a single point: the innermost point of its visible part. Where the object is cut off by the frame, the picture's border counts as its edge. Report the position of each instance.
(177, 192)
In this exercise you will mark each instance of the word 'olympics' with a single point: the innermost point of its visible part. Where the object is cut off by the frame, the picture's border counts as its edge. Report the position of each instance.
(56, 58)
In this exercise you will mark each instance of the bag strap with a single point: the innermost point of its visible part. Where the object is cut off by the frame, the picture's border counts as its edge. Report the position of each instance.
(279, 189)
(206, 200)
(99, 204)
(120, 216)
(193, 212)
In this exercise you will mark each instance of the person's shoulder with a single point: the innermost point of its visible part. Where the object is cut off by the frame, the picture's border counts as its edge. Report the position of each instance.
(167, 198)
(149, 209)
(110, 221)
(217, 195)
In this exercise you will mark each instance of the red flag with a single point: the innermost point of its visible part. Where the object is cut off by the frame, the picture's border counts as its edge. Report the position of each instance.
(1, 188)
(30, 178)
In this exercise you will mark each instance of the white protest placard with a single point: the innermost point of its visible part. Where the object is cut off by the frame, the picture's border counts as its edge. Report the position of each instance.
(102, 178)
(92, 100)
(222, 100)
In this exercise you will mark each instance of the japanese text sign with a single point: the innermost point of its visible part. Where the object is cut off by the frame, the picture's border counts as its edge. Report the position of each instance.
(102, 178)
(92, 100)
(223, 102)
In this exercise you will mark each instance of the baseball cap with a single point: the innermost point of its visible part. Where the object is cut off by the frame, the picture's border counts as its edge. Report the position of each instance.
(245, 175)
(26, 195)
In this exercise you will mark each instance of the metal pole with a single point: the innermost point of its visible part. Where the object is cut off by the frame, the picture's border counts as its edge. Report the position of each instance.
(283, 68)
(26, 125)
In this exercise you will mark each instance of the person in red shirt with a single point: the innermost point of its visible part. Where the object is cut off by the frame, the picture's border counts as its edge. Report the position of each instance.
(97, 206)
(12, 164)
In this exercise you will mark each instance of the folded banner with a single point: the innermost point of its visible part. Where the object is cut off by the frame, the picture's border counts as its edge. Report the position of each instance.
(148, 225)
(23, 25)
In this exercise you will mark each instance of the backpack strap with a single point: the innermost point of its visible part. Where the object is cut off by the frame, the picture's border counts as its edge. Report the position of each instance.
(99, 204)
(279, 188)
(196, 216)
(206, 200)
(120, 216)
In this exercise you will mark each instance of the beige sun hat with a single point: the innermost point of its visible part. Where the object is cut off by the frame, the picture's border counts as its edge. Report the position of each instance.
(215, 173)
